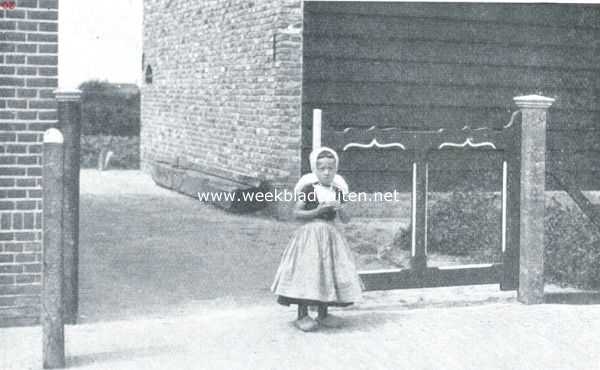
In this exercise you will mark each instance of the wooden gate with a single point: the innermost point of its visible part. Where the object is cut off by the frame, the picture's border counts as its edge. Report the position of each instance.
(420, 148)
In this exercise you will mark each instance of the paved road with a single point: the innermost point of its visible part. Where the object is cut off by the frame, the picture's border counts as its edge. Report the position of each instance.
(492, 336)
(144, 249)
(200, 301)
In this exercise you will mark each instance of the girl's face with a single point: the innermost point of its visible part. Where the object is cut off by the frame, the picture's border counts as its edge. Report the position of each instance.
(326, 170)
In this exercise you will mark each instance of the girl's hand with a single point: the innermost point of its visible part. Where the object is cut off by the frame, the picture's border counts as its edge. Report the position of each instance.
(338, 205)
(333, 204)
(324, 207)
(339, 208)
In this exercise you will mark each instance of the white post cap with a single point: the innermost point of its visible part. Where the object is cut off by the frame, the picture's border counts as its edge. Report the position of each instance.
(533, 101)
(63, 94)
(53, 136)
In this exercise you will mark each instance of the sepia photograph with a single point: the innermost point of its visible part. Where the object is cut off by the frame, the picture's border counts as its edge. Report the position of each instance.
(291, 185)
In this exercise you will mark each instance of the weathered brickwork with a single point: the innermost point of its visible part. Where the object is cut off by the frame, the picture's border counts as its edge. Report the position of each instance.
(28, 77)
(224, 105)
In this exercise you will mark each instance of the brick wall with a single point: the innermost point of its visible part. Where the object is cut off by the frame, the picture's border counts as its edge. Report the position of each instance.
(28, 76)
(223, 110)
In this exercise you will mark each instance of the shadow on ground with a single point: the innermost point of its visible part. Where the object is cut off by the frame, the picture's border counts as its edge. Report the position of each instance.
(365, 322)
(125, 354)
(575, 298)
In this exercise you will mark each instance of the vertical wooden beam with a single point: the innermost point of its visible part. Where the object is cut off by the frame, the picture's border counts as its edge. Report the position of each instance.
(52, 273)
(69, 120)
(413, 211)
(510, 253)
(419, 258)
(316, 129)
(533, 176)
(504, 205)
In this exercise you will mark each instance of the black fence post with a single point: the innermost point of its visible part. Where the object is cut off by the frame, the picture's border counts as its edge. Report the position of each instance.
(69, 120)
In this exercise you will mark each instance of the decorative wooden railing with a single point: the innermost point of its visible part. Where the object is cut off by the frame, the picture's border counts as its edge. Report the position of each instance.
(419, 145)
(522, 147)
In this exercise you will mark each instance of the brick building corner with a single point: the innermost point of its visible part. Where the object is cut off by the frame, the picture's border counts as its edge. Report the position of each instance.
(222, 97)
(28, 77)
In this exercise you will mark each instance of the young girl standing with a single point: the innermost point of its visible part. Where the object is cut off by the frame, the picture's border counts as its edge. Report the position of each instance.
(317, 267)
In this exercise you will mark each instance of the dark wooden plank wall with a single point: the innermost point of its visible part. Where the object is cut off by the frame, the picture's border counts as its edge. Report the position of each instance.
(426, 66)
